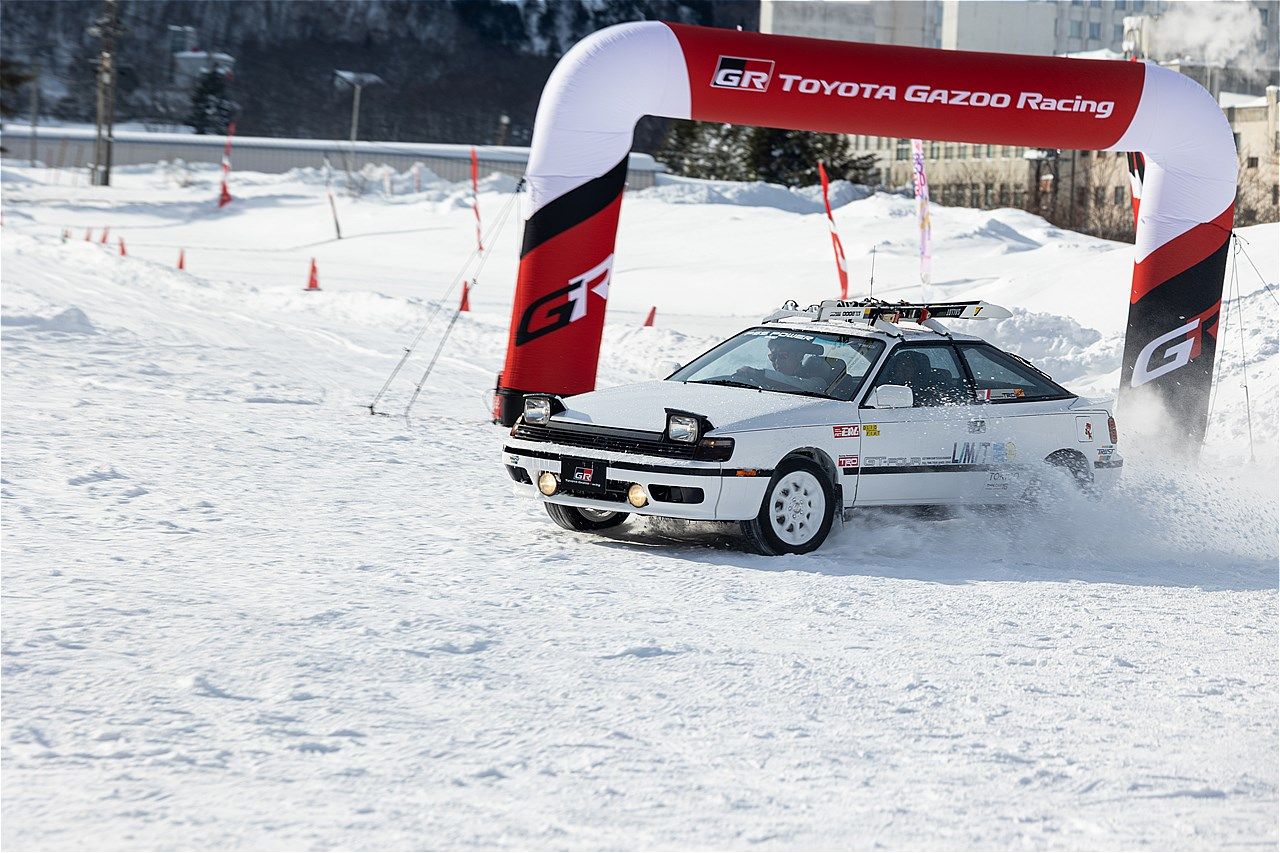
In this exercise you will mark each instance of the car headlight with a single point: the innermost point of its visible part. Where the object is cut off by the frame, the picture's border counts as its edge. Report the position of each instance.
(537, 410)
(682, 428)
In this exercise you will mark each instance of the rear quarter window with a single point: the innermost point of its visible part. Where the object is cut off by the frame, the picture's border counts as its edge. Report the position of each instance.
(998, 376)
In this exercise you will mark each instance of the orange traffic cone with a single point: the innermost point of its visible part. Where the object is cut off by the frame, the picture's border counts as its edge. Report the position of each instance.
(653, 312)
(313, 280)
(182, 259)
(123, 253)
(105, 232)
(466, 298)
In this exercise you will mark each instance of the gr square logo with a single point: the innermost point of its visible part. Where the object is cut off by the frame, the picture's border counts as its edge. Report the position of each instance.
(738, 72)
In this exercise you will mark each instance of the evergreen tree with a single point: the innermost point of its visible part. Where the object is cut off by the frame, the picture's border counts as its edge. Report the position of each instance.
(211, 109)
(735, 153)
(790, 157)
(13, 76)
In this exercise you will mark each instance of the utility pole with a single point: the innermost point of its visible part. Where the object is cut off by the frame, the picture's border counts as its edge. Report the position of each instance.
(35, 109)
(357, 80)
(107, 29)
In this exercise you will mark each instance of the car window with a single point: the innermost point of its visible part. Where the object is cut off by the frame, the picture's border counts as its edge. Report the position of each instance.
(792, 362)
(932, 373)
(999, 376)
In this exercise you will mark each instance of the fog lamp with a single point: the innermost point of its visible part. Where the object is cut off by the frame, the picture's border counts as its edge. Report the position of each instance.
(548, 483)
(637, 496)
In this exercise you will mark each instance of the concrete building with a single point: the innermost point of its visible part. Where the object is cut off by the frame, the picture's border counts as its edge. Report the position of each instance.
(1072, 186)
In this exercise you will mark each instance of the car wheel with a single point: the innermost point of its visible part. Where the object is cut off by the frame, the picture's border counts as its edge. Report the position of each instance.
(582, 518)
(1064, 466)
(797, 511)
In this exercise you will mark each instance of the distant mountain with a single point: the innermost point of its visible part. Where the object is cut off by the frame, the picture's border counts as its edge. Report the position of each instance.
(452, 67)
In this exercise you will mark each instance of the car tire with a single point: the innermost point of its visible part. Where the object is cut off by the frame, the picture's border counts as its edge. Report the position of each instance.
(1041, 490)
(584, 520)
(796, 513)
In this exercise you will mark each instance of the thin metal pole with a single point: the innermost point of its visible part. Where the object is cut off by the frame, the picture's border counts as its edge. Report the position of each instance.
(355, 111)
(35, 111)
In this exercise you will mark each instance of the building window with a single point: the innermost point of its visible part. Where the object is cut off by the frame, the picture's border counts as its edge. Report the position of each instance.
(1119, 5)
(934, 150)
(1120, 199)
(975, 195)
(1004, 195)
(1077, 29)
(1275, 195)
(1095, 30)
(1137, 5)
(991, 151)
(1117, 33)
(1251, 163)
(989, 198)
(1095, 3)
(1019, 198)
(1099, 196)
(904, 150)
(1086, 154)
(1264, 15)
(949, 150)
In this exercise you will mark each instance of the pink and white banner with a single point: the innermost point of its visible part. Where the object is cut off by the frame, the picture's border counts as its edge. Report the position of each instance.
(921, 184)
(475, 195)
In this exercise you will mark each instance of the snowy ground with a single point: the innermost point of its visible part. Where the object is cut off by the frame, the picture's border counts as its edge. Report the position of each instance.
(241, 613)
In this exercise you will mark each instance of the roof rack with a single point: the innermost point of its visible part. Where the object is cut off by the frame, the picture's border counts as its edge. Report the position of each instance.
(881, 315)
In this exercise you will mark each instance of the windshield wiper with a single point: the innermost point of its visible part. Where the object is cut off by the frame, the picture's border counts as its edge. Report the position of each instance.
(731, 383)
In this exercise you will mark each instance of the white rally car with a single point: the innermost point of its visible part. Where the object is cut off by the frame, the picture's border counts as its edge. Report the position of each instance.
(814, 411)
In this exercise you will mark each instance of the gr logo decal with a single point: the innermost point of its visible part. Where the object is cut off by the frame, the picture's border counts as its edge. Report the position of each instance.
(738, 72)
(1174, 349)
(582, 475)
(549, 313)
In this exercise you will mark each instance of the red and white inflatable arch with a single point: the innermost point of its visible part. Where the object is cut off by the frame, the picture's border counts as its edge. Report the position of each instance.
(1186, 174)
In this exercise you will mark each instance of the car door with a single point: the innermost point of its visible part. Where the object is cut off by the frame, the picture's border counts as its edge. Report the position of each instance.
(931, 453)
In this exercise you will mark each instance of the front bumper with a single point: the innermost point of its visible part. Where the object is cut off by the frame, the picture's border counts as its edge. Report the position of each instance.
(706, 491)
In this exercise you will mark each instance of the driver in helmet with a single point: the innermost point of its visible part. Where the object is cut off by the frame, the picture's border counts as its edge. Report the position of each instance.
(787, 355)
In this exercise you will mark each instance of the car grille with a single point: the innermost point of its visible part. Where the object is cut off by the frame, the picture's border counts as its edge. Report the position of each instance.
(606, 438)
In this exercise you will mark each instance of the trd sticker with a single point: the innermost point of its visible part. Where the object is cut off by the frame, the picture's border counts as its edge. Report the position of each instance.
(739, 72)
(847, 462)
(871, 429)
(846, 431)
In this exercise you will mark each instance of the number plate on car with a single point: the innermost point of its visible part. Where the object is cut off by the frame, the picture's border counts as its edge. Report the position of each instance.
(589, 473)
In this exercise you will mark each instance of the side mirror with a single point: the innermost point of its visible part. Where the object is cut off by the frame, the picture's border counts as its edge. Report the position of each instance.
(666, 367)
(891, 397)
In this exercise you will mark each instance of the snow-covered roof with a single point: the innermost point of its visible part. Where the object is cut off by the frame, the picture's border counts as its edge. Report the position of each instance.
(1240, 99)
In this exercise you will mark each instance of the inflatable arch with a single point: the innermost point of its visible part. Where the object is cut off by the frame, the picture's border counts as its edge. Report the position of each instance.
(1185, 175)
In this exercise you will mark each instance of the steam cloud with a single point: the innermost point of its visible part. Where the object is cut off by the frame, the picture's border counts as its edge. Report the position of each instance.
(1214, 32)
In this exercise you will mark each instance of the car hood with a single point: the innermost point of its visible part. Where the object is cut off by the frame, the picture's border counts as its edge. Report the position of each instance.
(643, 406)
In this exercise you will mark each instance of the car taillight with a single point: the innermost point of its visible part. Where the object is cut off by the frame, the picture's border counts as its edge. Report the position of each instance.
(1111, 428)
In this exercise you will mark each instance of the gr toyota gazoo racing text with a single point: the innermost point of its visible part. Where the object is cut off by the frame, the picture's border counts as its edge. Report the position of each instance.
(814, 411)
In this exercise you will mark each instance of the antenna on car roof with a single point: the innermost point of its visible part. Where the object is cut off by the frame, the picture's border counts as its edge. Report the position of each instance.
(871, 288)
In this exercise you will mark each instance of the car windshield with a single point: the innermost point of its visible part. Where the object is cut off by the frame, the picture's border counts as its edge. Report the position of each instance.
(790, 362)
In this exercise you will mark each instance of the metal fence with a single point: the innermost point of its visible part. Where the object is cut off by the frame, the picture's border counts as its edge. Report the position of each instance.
(67, 148)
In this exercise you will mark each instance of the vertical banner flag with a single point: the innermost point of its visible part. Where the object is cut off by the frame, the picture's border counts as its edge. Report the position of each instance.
(475, 195)
(842, 266)
(224, 197)
(921, 182)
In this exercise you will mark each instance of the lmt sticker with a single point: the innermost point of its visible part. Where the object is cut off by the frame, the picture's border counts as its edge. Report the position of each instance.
(737, 72)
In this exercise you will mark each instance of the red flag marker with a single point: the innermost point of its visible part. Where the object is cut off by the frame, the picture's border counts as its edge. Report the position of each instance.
(88, 235)
(105, 232)
(465, 305)
(182, 259)
(123, 253)
(842, 266)
(224, 197)
(653, 312)
(313, 280)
